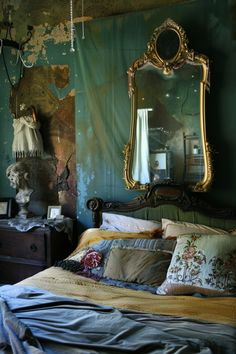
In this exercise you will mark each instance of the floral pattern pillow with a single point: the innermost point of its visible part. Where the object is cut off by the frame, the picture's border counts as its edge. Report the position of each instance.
(202, 263)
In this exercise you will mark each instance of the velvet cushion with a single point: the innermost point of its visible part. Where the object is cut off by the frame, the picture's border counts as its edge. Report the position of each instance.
(116, 222)
(173, 229)
(202, 263)
(137, 265)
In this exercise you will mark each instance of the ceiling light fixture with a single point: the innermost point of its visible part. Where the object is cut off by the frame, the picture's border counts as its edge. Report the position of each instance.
(6, 40)
(6, 26)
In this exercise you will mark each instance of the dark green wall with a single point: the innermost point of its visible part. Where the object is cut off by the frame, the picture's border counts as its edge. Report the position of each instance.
(99, 68)
(105, 109)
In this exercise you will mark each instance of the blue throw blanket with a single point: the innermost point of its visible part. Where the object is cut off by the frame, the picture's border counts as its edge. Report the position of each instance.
(36, 321)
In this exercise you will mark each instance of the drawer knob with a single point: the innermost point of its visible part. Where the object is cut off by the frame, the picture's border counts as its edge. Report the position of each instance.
(33, 248)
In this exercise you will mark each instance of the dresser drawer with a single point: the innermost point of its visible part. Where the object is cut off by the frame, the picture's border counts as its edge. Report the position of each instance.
(23, 254)
(23, 245)
(11, 272)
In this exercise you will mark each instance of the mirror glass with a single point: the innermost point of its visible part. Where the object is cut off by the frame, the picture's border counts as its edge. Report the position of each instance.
(167, 44)
(167, 138)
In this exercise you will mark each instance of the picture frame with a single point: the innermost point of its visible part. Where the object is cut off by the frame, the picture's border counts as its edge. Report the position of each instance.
(6, 208)
(54, 211)
(160, 166)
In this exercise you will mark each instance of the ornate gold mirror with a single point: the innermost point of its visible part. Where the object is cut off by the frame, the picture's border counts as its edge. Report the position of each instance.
(167, 143)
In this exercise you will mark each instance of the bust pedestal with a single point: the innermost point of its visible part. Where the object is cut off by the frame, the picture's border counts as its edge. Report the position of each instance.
(23, 199)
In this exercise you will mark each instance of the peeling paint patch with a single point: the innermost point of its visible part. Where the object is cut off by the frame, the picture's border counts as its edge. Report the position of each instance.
(85, 180)
(36, 47)
(72, 93)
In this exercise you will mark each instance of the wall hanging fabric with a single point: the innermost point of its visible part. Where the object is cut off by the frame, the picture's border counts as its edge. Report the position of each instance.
(27, 139)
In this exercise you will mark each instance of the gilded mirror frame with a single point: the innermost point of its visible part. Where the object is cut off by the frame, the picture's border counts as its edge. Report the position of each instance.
(183, 55)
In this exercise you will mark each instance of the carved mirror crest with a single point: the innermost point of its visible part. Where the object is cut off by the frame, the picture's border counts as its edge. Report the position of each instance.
(167, 143)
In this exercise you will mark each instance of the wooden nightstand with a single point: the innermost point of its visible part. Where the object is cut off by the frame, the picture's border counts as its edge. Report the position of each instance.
(23, 254)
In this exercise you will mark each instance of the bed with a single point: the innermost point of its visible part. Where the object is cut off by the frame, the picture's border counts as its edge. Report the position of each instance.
(153, 275)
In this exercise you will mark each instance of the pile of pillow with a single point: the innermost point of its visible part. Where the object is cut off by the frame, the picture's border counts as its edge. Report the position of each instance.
(143, 261)
(173, 257)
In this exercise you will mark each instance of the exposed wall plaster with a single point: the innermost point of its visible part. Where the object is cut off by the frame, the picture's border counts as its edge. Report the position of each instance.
(48, 89)
(42, 34)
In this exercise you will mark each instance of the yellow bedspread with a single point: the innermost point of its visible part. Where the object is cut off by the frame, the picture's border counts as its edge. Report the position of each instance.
(59, 281)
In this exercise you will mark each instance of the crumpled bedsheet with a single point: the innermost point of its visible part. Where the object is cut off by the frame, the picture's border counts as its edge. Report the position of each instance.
(62, 282)
(36, 321)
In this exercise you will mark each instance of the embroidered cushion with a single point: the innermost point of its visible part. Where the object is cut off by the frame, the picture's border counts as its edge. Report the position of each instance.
(92, 259)
(202, 263)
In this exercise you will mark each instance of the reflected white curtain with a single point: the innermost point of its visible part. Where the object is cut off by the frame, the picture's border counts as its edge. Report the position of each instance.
(140, 169)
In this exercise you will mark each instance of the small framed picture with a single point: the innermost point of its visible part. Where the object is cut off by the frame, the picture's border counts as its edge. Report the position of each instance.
(54, 211)
(5, 208)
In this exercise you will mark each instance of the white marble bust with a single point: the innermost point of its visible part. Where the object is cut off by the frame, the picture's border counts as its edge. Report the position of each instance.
(18, 175)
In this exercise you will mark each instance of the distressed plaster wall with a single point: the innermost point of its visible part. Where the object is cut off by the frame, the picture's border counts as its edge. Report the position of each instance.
(52, 175)
(211, 32)
(50, 88)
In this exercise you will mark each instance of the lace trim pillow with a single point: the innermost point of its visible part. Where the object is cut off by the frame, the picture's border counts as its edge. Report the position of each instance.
(202, 263)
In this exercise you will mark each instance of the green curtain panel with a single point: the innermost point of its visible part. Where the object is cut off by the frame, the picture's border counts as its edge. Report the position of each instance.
(103, 106)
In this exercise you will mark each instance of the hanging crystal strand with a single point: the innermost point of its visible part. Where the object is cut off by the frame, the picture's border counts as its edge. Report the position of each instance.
(82, 25)
(72, 49)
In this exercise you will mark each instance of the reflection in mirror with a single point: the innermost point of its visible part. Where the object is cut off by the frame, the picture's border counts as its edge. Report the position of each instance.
(168, 138)
(172, 116)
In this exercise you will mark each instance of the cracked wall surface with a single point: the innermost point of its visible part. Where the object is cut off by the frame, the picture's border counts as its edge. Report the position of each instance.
(53, 176)
(51, 20)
